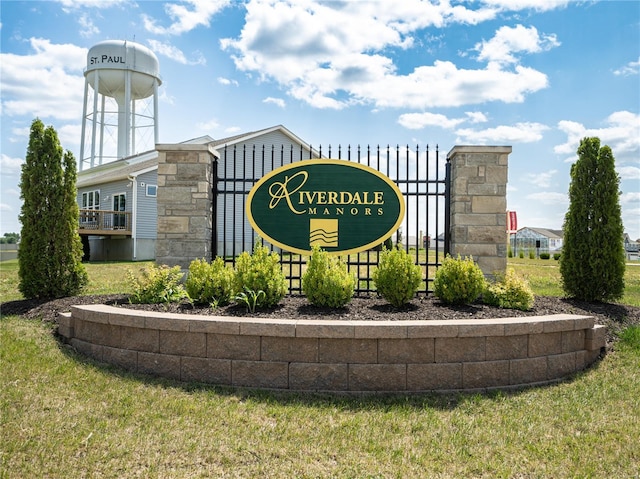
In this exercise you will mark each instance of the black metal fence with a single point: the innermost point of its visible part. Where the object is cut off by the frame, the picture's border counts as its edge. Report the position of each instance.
(420, 174)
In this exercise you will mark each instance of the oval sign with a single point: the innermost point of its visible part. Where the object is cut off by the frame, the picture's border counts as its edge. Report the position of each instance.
(341, 206)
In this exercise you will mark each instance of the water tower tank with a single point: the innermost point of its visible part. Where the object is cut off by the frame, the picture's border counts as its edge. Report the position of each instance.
(123, 73)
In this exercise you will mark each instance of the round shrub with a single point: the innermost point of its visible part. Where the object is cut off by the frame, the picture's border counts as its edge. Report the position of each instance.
(157, 284)
(327, 282)
(210, 283)
(510, 292)
(397, 277)
(261, 271)
(458, 281)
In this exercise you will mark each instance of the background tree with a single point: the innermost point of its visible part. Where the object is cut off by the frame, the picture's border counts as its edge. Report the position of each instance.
(593, 260)
(49, 259)
(10, 238)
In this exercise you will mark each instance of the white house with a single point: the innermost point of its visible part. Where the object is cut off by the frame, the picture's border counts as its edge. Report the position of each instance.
(540, 239)
(117, 200)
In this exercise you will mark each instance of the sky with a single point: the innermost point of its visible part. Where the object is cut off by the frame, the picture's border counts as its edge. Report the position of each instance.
(537, 75)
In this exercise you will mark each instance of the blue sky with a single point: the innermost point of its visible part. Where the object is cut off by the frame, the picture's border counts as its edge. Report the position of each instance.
(538, 75)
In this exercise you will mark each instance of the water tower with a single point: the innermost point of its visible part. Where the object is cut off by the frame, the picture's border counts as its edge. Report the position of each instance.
(120, 112)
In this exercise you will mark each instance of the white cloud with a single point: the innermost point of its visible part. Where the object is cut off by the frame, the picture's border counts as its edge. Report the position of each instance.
(518, 133)
(324, 54)
(88, 28)
(633, 197)
(476, 116)
(549, 198)
(73, 4)
(631, 68)
(208, 126)
(69, 136)
(629, 172)
(47, 83)
(10, 166)
(275, 101)
(538, 5)
(507, 41)
(232, 129)
(175, 53)
(416, 121)
(622, 134)
(541, 180)
(184, 18)
(227, 81)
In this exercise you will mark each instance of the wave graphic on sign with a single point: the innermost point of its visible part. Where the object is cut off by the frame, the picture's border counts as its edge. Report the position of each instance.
(323, 232)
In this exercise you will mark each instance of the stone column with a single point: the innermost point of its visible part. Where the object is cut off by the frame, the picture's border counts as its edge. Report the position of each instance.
(185, 203)
(479, 205)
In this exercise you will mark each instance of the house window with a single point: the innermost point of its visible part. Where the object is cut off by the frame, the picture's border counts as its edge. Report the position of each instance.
(152, 190)
(90, 201)
(119, 204)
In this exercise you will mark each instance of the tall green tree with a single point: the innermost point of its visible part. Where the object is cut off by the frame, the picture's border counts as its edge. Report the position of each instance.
(50, 254)
(593, 258)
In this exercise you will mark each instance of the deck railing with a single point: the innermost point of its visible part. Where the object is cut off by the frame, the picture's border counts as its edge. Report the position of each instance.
(104, 222)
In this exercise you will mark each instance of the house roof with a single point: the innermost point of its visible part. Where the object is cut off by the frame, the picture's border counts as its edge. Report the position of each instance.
(134, 165)
(201, 140)
(231, 140)
(118, 170)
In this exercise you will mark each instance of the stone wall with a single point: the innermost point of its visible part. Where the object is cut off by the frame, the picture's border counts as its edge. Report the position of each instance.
(479, 204)
(352, 356)
(185, 203)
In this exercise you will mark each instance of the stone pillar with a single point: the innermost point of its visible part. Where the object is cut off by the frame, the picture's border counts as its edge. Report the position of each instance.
(185, 203)
(479, 205)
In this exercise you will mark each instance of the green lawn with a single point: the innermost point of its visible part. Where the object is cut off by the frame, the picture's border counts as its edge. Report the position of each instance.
(545, 280)
(63, 415)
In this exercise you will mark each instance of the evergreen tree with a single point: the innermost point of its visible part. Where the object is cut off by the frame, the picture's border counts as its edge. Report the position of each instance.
(593, 259)
(49, 259)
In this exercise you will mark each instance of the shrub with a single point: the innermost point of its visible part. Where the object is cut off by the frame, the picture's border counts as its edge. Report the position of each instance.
(50, 253)
(545, 256)
(326, 282)
(557, 256)
(397, 277)
(532, 254)
(593, 258)
(458, 281)
(510, 292)
(521, 254)
(210, 282)
(261, 271)
(157, 284)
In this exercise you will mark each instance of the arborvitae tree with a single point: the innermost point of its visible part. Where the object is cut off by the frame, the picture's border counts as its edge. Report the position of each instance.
(50, 254)
(593, 259)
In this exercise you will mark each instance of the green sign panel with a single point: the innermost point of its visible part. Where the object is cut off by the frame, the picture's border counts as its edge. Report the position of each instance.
(341, 206)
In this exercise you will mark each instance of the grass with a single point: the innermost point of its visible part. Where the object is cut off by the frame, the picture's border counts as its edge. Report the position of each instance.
(63, 415)
(62, 412)
(104, 278)
(544, 277)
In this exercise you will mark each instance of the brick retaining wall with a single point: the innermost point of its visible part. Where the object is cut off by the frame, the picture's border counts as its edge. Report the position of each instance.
(352, 356)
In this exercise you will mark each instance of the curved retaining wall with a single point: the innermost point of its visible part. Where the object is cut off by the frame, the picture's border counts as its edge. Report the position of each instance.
(354, 356)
